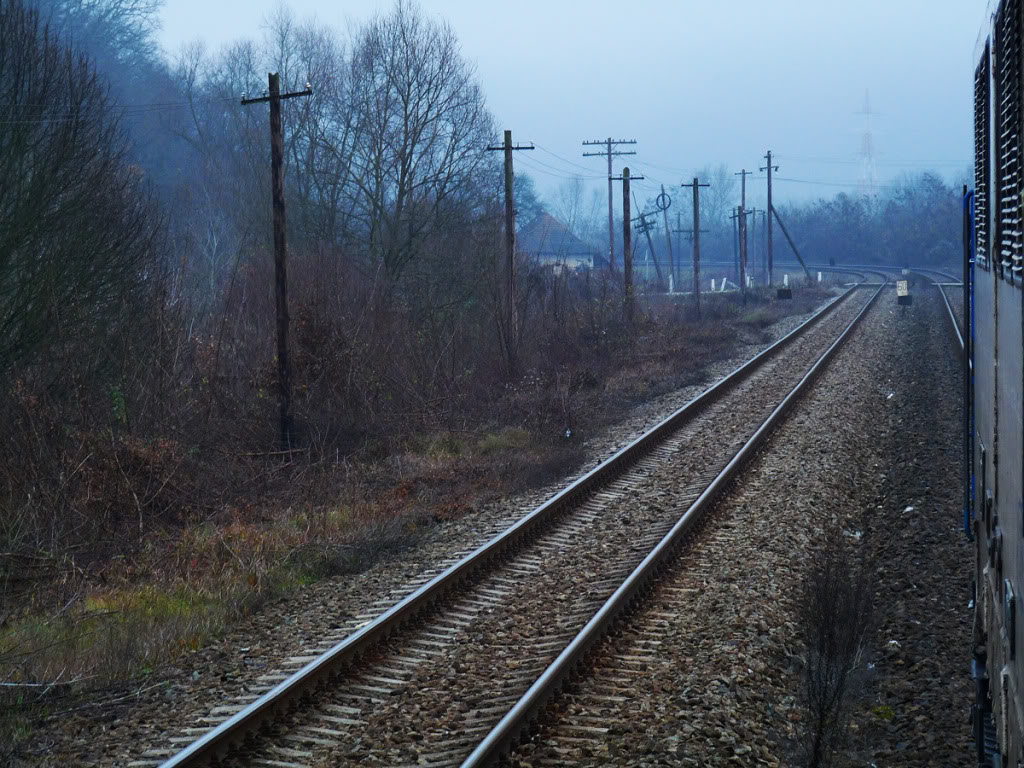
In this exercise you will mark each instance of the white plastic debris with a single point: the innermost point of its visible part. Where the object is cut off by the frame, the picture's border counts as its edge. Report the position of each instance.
(908, 509)
(890, 396)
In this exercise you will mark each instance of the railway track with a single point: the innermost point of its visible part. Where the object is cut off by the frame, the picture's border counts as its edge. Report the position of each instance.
(427, 681)
(689, 674)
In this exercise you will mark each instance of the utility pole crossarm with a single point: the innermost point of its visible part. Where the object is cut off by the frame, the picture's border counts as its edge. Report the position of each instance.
(501, 147)
(294, 94)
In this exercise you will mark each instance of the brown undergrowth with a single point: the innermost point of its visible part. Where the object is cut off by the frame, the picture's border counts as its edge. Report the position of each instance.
(121, 549)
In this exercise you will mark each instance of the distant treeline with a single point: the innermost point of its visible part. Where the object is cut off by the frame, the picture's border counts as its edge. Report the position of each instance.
(917, 221)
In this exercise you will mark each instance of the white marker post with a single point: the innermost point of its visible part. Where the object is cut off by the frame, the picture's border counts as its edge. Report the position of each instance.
(903, 292)
(712, 285)
(785, 281)
(819, 277)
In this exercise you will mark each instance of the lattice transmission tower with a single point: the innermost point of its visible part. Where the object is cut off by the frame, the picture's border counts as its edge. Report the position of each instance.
(868, 178)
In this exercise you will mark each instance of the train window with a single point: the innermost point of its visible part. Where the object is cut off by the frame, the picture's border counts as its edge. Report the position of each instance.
(981, 160)
(1008, 254)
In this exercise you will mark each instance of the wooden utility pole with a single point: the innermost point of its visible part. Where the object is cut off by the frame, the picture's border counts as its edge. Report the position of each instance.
(680, 231)
(645, 227)
(735, 217)
(512, 313)
(753, 237)
(627, 246)
(792, 244)
(743, 173)
(284, 373)
(743, 252)
(696, 241)
(664, 201)
(769, 168)
(609, 145)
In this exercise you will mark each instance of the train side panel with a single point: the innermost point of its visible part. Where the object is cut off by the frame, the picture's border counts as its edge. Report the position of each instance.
(998, 358)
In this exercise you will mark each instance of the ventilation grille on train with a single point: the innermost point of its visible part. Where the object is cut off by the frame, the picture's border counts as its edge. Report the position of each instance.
(981, 157)
(1009, 173)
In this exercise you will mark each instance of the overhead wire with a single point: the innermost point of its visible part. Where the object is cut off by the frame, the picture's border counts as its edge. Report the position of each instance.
(564, 160)
(120, 110)
(558, 173)
(886, 163)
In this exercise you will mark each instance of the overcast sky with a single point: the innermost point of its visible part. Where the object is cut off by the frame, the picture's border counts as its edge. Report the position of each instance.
(694, 81)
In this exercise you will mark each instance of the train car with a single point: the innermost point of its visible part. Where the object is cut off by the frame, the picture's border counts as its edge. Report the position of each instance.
(994, 445)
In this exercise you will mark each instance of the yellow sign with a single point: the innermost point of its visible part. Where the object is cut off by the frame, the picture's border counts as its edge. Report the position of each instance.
(902, 287)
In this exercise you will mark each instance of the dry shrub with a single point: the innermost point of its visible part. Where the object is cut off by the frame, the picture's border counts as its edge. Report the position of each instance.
(835, 614)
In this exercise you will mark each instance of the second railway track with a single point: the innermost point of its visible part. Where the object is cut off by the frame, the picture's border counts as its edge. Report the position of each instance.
(454, 665)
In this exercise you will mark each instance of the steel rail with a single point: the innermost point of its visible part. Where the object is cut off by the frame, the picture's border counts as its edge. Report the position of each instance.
(958, 335)
(857, 268)
(279, 700)
(949, 278)
(518, 720)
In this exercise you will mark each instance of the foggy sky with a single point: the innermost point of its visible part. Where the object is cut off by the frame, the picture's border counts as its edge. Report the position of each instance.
(695, 82)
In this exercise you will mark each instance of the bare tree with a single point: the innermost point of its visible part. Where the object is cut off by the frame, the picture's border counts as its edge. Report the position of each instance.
(76, 225)
(717, 200)
(423, 128)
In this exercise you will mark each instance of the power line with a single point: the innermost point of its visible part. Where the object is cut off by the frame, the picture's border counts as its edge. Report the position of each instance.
(121, 110)
(831, 183)
(567, 161)
(560, 172)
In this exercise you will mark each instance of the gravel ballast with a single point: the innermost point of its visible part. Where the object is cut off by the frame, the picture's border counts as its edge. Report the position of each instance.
(708, 670)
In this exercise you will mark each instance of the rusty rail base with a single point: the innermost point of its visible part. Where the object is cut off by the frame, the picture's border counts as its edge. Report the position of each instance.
(529, 708)
(278, 701)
